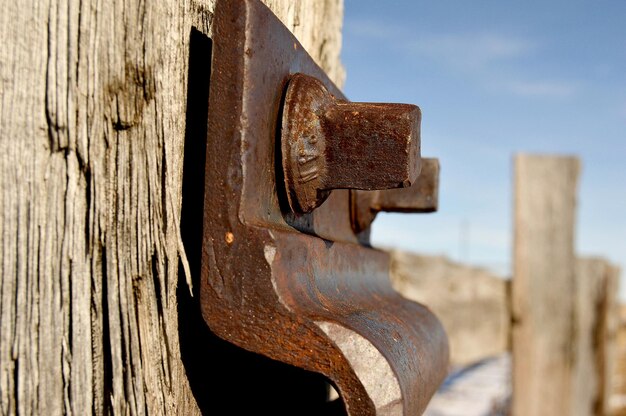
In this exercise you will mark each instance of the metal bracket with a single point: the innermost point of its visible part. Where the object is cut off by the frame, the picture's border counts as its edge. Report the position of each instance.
(298, 288)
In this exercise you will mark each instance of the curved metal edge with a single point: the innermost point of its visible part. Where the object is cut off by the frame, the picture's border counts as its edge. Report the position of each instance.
(349, 287)
(246, 292)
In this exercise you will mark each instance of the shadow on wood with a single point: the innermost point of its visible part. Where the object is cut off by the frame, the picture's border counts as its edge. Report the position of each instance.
(222, 375)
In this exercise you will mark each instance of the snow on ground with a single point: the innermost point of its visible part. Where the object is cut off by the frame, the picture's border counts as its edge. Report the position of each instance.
(482, 389)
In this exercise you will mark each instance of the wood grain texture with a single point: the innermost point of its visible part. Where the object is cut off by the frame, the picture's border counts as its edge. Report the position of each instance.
(618, 383)
(595, 344)
(92, 121)
(544, 284)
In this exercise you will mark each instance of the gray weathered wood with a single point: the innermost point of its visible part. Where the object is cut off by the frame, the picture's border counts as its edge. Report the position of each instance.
(92, 121)
(609, 354)
(544, 284)
(618, 383)
(595, 342)
(470, 302)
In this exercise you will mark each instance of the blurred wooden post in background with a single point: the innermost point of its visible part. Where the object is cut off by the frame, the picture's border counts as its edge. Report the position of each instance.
(543, 287)
(470, 302)
(563, 310)
(613, 348)
(618, 387)
(597, 318)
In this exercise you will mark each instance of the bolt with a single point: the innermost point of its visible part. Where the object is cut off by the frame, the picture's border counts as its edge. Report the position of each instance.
(422, 196)
(332, 144)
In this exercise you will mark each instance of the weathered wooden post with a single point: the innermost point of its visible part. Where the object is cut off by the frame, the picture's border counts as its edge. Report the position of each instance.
(596, 321)
(544, 285)
(618, 384)
(470, 302)
(564, 309)
(92, 127)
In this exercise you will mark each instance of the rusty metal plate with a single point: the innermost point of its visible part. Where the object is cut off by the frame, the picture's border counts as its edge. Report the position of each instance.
(298, 288)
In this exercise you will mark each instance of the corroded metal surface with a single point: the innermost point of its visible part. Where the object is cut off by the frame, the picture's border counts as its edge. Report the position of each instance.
(297, 287)
(421, 197)
(335, 144)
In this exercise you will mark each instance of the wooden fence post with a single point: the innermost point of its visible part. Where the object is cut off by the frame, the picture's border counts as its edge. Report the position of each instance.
(618, 382)
(596, 329)
(470, 302)
(93, 106)
(543, 288)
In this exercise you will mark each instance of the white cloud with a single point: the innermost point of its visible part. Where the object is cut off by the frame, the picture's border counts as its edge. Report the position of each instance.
(482, 55)
(555, 89)
(475, 49)
(495, 60)
(471, 50)
(372, 29)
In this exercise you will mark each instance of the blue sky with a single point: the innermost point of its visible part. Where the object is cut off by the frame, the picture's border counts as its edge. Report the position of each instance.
(494, 78)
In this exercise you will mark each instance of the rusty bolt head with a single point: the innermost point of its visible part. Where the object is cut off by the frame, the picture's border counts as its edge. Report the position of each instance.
(329, 144)
(422, 196)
